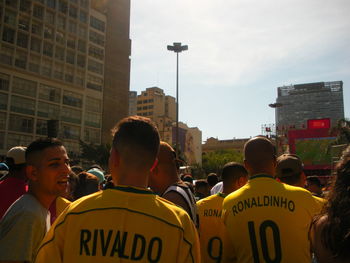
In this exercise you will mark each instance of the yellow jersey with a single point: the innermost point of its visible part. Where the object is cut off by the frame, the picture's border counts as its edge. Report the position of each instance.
(122, 224)
(212, 234)
(268, 221)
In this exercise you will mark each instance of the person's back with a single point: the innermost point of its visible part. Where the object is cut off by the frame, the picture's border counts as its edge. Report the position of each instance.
(268, 221)
(128, 222)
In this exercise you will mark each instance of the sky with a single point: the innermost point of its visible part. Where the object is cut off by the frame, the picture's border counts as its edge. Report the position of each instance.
(239, 52)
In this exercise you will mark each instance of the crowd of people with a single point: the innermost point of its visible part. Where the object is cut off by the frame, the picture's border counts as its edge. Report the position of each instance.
(262, 210)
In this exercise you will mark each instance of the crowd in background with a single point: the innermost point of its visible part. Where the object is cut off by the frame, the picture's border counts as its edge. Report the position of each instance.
(262, 210)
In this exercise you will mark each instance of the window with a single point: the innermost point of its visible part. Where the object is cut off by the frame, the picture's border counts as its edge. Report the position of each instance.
(24, 87)
(51, 3)
(4, 82)
(24, 6)
(8, 35)
(70, 115)
(48, 33)
(21, 60)
(48, 49)
(70, 58)
(38, 12)
(81, 61)
(37, 28)
(34, 64)
(70, 132)
(97, 24)
(61, 22)
(46, 68)
(10, 18)
(22, 105)
(73, 11)
(35, 45)
(50, 17)
(59, 53)
(60, 38)
(72, 27)
(2, 116)
(21, 124)
(92, 119)
(48, 110)
(94, 83)
(59, 71)
(92, 135)
(82, 31)
(68, 77)
(71, 43)
(93, 104)
(3, 102)
(84, 3)
(96, 52)
(22, 40)
(12, 3)
(49, 93)
(79, 78)
(72, 99)
(62, 6)
(6, 55)
(83, 16)
(23, 24)
(96, 67)
(16, 139)
(82, 46)
(41, 127)
(97, 38)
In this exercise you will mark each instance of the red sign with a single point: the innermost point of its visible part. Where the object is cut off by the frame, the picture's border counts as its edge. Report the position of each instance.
(319, 124)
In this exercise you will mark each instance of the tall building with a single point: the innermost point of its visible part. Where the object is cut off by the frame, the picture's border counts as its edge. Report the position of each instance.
(302, 102)
(132, 103)
(53, 65)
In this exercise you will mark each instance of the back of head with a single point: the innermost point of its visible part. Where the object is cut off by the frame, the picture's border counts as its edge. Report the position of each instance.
(201, 188)
(87, 184)
(212, 179)
(313, 180)
(136, 139)
(259, 155)
(15, 158)
(232, 171)
(166, 155)
(38, 146)
(289, 169)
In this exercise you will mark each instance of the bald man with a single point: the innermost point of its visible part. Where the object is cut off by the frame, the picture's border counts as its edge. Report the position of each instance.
(165, 181)
(268, 221)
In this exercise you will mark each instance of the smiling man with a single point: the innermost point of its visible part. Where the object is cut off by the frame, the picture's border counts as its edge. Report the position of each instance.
(27, 220)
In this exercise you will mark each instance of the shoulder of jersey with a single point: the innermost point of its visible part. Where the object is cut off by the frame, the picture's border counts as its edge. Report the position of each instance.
(206, 200)
(170, 205)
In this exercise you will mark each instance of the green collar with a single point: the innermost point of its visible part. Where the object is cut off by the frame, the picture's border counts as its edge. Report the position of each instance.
(260, 176)
(131, 189)
(221, 195)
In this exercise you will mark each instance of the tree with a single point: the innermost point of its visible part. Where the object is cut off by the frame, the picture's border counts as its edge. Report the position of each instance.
(213, 162)
(95, 153)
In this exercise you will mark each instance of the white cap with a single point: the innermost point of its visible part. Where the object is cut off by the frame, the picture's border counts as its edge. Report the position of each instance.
(17, 154)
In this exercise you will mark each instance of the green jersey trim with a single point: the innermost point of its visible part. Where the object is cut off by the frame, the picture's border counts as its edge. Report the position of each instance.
(130, 189)
(221, 195)
(260, 176)
(118, 208)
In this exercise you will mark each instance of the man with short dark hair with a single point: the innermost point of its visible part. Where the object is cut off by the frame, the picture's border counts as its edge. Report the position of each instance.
(129, 222)
(212, 179)
(25, 223)
(212, 234)
(268, 221)
(15, 183)
(313, 184)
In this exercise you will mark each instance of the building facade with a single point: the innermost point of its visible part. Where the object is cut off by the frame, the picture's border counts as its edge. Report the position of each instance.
(132, 103)
(53, 66)
(299, 103)
(214, 144)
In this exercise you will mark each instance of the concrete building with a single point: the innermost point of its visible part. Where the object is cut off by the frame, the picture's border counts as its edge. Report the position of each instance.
(132, 103)
(302, 102)
(214, 144)
(53, 66)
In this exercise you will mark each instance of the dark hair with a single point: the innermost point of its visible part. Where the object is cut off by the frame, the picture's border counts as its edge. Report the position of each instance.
(87, 184)
(233, 171)
(77, 169)
(335, 235)
(137, 139)
(212, 179)
(40, 145)
(201, 183)
(292, 178)
(313, 180)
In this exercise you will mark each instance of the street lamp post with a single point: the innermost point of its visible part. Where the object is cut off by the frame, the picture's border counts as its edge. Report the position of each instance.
(275, 106)
(177, 48)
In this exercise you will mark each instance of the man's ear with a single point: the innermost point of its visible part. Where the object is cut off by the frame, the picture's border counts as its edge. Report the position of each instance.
(31, 173)
(114, 159)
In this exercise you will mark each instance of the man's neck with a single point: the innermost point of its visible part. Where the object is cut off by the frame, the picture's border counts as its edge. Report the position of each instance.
(44, 199)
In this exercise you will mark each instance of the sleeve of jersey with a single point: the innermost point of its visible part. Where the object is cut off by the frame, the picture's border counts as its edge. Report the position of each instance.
(22, 238)
(51, 248)
(189, 250)
(228, 253)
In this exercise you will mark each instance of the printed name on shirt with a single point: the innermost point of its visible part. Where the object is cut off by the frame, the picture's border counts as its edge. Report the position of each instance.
(212, 212)
(261, 201)
(113, 243)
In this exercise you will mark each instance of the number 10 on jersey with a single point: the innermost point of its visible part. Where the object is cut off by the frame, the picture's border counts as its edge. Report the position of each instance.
(263, 242)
